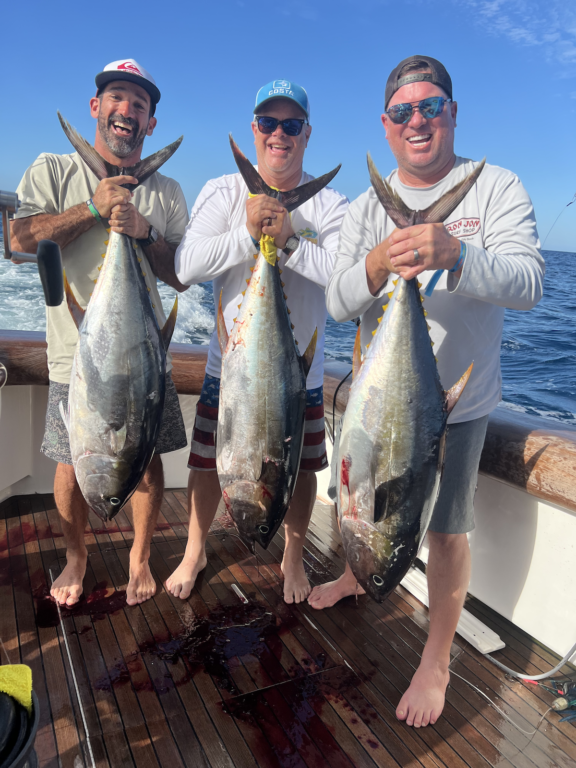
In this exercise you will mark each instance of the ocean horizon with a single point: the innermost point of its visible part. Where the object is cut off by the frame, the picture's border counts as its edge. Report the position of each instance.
(538, 353)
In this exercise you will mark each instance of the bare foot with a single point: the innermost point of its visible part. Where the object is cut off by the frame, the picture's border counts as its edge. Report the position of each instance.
(141, 586)
(327, 595)
(296, 584)
(423, 702)
(67, 588)
(182, 581)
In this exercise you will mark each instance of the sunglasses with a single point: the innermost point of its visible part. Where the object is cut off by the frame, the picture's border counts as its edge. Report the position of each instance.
(291, 126)
(429, 108)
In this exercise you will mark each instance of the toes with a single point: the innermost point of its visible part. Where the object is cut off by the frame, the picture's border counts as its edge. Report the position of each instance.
(401, 714)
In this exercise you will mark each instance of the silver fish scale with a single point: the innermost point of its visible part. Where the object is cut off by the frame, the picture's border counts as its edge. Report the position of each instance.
(117, 384)
(262, 410)
(393, 424)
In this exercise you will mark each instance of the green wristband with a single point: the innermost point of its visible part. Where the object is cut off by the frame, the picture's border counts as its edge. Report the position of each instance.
(94, 211)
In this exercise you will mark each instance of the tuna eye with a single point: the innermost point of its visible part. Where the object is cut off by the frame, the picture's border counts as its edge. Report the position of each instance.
(263, 529)
(378, 580)
(114, 501)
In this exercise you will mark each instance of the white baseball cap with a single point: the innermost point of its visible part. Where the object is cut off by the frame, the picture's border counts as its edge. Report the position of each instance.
(129, 69)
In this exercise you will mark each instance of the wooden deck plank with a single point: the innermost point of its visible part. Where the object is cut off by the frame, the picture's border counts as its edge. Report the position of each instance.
(142, 710)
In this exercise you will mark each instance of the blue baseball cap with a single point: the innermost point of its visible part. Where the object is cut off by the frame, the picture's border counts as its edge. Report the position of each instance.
(283, 89)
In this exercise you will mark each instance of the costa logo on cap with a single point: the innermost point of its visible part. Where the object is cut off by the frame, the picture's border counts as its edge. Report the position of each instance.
(127, 66)
(280, 84)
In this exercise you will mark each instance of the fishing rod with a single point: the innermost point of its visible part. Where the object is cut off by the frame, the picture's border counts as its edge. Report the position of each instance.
(557, 217)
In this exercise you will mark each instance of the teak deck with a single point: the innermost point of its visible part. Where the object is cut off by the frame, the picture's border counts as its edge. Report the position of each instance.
(219, 682)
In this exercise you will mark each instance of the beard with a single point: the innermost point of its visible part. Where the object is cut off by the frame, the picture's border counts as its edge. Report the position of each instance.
(119, 145)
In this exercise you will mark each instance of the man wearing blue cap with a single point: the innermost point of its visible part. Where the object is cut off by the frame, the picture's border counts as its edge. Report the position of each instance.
(219, 244)
(62, 200)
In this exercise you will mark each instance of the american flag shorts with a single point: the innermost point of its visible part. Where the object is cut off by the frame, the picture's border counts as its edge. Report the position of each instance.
(203, 448)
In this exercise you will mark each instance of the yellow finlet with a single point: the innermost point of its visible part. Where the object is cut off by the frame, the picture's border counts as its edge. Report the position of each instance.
(97, 281)
(418, 283)
(247, 280)
(282, 284)
(291, 326)
(103, 255)
(153, 306)
(106, 242)
(243, 293)
(143, 274)
(380, 319)
(148, 290)
(288, 311)
(295, 342)
(239, 305)
(432, 343)
(139, 259)
(374, 331)
(109, 230)
(394, 282)
(390, 294)
(279, 271)
(100, 267)
(425, 313)
(234, 319)
(285, 297)
(427, 326)
(255, 255)
(252, 269)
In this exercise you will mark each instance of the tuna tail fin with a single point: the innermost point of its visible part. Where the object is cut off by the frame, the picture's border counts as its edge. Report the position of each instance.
(308, 355)
(103, 170)
(169, 325)
(145, 168)
(290, 200)
(75, 309)
(453, 394)
(356, 355)
(436, 213)
(221, 329)
(93, 159)
(441, 209)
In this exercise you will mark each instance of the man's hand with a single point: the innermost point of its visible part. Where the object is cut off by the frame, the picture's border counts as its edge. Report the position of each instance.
(259, 210)
(110, 193)
(437, 249)
(280, 228)
(126, 220)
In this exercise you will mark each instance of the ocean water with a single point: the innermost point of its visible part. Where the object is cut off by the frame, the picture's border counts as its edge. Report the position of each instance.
(538, 347)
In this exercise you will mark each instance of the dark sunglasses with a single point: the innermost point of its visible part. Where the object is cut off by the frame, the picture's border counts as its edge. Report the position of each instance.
(291, 126)
(429, 108)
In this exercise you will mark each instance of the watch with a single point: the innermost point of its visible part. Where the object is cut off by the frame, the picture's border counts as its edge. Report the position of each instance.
(152, 237)
(291, 244)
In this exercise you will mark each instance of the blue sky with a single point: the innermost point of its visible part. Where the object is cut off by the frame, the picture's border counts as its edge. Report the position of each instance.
(512, 62)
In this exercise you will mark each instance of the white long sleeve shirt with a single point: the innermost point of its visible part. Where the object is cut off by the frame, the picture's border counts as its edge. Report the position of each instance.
(503, 268)
(217, 246)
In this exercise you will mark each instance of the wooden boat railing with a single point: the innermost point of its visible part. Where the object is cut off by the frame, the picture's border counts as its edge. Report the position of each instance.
(535, 454)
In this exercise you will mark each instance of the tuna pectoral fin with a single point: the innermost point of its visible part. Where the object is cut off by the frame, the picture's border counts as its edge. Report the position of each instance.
(221, 327)
(356, 355)
(168, 329)
(75, 309)
(64, 416)
(391, 495)
(453, 394)
(308, 356)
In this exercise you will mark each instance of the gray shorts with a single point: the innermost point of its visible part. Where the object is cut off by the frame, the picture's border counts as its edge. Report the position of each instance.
(56, 445)
(454, 510)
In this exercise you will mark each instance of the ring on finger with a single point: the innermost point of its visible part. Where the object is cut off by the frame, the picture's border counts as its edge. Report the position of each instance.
(416, 254)
(269, 222)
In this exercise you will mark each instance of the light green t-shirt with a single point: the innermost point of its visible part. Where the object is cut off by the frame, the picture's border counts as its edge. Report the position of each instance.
(54, 183)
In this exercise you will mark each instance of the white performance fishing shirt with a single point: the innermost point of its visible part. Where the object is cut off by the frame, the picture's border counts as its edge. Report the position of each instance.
(217, 246)
(503, 268)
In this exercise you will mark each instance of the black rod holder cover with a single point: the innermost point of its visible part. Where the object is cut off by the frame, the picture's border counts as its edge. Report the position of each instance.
(50, 271)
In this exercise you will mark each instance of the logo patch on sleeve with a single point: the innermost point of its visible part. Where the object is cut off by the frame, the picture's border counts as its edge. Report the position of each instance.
(464, 227)
(309, 234)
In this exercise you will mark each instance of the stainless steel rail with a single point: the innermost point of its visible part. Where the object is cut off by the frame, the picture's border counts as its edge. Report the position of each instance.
(9, 204)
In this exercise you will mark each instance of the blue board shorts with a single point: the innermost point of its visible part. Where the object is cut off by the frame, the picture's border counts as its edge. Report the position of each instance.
(454, 510)
(203, 445)
(56, 444)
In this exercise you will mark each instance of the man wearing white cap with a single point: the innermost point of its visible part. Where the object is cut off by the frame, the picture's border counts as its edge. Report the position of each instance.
(62, 200)
(220, 244)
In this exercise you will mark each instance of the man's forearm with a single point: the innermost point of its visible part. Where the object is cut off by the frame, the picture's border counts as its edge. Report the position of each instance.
(161, 257)
(62, 228)
(377, 271)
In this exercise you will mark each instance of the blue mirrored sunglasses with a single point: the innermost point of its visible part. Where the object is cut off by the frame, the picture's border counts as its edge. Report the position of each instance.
(429, 108)
(291, 126)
